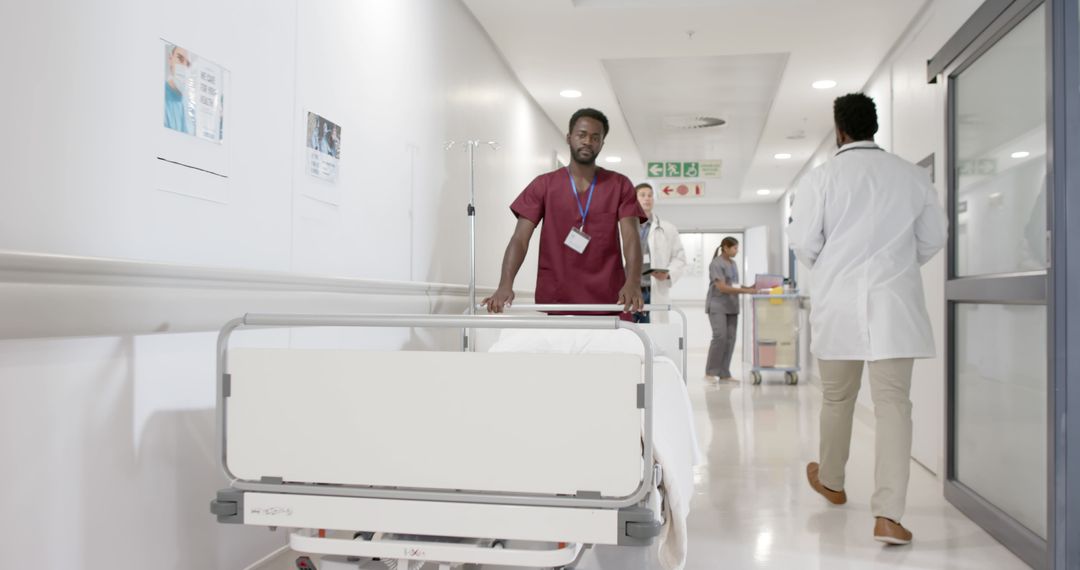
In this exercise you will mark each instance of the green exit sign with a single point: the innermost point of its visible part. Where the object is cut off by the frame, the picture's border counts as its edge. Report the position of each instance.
(683, 169)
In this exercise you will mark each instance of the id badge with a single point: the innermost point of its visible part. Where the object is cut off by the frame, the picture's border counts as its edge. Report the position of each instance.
(577, 240)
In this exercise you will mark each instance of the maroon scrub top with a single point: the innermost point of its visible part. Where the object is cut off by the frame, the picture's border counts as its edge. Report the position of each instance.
(565, 276)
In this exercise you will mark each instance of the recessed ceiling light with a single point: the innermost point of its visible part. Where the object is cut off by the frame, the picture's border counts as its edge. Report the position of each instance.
(614, 159)
(1020, 154)
(782, 156)
(764, 192)
(693, 122)
(570, 93)
(824, 84)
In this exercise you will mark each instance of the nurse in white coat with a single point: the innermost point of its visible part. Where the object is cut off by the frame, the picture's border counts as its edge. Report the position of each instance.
(864, 223)
(661, 249)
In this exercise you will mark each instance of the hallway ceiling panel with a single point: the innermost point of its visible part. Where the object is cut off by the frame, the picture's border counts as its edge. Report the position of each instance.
(647, 63)
(665, 113)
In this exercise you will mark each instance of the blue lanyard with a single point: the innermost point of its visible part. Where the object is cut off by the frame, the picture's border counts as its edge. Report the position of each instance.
(588, 202)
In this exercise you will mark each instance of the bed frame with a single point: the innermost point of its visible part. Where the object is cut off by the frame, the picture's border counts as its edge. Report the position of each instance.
(441, 457)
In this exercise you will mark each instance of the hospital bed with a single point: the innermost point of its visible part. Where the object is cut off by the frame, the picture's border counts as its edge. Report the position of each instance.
(670, 341)
(449, 458)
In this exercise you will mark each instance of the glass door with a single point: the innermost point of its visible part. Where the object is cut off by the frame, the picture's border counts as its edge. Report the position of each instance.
(997, 282)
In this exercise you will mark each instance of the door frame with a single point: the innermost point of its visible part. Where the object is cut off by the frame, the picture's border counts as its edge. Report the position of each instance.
(1063, 200)
(993, 21)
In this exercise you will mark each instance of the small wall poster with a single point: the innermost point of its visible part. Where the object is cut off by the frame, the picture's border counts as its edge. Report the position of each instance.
(324, 147)
(194, 94)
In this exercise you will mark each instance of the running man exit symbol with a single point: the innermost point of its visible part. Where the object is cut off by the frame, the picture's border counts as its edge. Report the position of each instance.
(674, 169)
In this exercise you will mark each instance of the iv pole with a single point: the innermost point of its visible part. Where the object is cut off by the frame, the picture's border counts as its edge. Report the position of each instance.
(470, 148)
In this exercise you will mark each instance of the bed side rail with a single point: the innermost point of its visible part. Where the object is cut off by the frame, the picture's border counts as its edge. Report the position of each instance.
(224, 509)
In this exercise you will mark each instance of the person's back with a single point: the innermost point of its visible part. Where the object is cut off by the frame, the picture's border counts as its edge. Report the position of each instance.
(864, 223)
(872, 204)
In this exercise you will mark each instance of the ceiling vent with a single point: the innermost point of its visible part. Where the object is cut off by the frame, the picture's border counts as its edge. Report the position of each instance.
(693, 122)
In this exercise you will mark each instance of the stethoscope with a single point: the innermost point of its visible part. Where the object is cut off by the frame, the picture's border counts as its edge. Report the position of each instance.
(875, 147)
(656, 225)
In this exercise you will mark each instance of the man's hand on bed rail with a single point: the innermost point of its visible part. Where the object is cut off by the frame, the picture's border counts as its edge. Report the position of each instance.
(630, 297)
(502, 298)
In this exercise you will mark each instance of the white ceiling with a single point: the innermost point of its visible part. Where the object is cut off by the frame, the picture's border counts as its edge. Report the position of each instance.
(1010, 75)
(736, 88)
(749, 62)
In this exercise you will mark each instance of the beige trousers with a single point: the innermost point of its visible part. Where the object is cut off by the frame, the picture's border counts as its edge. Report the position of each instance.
(890, 389)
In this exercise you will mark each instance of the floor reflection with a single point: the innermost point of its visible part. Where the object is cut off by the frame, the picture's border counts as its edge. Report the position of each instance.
(753, 508)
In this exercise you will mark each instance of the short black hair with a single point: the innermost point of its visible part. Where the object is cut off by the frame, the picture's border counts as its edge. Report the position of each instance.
(856, 115)
(643, 185)
(592, 114)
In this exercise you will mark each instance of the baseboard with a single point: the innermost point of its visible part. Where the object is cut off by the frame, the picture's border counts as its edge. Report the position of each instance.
(276, 559)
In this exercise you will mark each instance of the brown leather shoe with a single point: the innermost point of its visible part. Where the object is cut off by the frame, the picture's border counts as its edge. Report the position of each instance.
(834, 497)
(891, 532)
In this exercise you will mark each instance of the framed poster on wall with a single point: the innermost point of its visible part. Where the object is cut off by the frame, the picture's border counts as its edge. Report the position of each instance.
(323, 142)
(193, 142)
(194, 94)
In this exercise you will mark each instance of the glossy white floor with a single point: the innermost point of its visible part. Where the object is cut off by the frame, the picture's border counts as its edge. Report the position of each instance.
(753, 508)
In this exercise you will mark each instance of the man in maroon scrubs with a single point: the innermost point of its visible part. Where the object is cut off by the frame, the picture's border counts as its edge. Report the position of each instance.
(585, 209)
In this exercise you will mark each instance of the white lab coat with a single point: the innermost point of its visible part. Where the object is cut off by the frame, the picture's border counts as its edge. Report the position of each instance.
(864, 223)
(666, 251)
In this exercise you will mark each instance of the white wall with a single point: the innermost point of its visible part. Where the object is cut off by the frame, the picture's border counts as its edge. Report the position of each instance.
(734, 218)
(110, 440)
(731, 218)
(756, 252)
(911, 114)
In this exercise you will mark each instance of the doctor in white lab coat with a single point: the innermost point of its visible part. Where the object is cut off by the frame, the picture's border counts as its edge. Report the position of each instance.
(864, 223)
(661, 248)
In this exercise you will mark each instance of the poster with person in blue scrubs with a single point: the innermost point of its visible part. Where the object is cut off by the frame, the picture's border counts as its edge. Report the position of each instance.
(324, 147)
(194, 94)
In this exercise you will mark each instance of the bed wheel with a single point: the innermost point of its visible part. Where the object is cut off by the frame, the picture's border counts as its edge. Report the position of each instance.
(304, 563)
(757, 377)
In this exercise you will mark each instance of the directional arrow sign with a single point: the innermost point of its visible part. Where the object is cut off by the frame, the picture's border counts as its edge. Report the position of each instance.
(684, 190)
(656, 169)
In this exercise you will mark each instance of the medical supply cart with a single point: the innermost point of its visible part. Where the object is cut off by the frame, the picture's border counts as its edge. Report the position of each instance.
(775, 327)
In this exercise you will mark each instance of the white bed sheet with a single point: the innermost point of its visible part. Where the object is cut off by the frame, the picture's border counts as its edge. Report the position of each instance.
(674, 436)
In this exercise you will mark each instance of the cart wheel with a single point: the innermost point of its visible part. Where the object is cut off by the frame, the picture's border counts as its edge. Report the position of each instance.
(304, 563)
(792, 378)
(757, 377)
